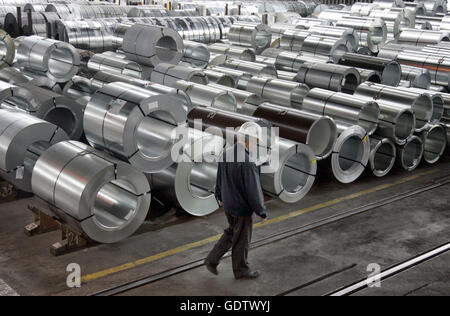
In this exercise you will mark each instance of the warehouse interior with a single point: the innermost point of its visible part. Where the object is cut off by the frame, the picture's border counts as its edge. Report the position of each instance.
(114, 116)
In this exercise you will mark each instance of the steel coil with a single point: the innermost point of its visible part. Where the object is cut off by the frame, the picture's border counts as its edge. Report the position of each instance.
(253, 35)
(105, 199)
(383, 154)
(317, 131)
(278, 91)
(57, 60)
(417, 77)
(236, 52)
(390, 70)
(134, 124)
(351, 153)
(168, 74)
(23, 138)
(114, 64)
(344, 108)
(220, 78)
(372, 32)
(251, 68)
(328, 76)
(434, 139)
(247, 102)
(291, 61)
(420, 103)
(347, 34)
(196, 54)
(410, 155)
(331, 47)
(422, 37)
(152, 45)
(8, 51)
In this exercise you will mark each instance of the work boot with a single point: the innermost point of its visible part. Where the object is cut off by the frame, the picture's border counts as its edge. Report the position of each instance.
(250, 275)
(211, 268)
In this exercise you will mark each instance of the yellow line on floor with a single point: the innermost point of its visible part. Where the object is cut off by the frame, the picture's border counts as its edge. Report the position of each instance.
(127, 266)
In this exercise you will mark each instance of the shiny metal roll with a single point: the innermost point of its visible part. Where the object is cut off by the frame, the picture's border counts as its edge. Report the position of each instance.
(102, 78)
(383, 154)
(372, 32)
(436, 99)
(422, 37)
(346, 33)
(278, 91)
(202, 95)
(317, 131)
(369, 75)
(195, 54)
(417, 77)
(291, 61)
(78, 87)
(434, 139)
(253, 35)
(344, 108)
(293, 176)
(420, 103)
(351, 153)
(390, 70)
(112, 63)
(190, 184)
(247, 102)
(251, 68)
(152, 45)
(438, 65)
(331, 47)
(329, 76)
(220, 78)
(134, 124)
(168, 74)
(410, 155)
(286, 75)
(293, 39)
(333, 15)
(396, 21)
(49, 106)
(57, 60)
(236, 52)
(389, 3)
(103, 198)
(220, 122)
(23, 138)
(8, 51)
(241, 78)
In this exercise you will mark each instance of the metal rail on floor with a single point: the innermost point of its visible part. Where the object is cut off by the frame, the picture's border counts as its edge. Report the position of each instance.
(396, 269)
(274, 238)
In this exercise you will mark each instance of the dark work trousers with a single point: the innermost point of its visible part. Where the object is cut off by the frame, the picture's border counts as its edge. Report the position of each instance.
(237, 237)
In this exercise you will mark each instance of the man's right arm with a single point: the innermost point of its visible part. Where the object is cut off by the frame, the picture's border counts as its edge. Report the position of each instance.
(255, 196)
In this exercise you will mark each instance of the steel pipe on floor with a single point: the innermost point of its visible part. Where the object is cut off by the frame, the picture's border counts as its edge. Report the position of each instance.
(134, 124)
(103, 198)
(344, 108)
(24, 138)
(329, 76)
(383, 154)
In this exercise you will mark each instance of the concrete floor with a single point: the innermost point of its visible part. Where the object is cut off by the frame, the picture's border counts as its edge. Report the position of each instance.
(385, 236)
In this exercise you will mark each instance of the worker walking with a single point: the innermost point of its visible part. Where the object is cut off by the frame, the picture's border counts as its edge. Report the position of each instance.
(238, 190)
